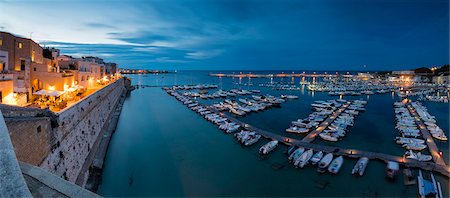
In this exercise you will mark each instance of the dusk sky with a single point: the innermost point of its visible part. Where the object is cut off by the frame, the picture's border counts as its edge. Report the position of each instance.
(240, 35)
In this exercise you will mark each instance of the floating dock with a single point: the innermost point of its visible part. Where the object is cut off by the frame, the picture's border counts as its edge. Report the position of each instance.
(352, 153)
(437, 158)
(313, 134)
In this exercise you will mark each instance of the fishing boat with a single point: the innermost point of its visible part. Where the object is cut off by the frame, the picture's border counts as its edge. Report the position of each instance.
(268, 147)
(316, 157)
(360, 166)
(324, 162)
(336, 165)
(303, 159)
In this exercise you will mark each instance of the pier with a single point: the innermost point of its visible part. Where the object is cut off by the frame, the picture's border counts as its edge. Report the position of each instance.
(281, 75)
(434, 150)
(352, 153)
(313, 134)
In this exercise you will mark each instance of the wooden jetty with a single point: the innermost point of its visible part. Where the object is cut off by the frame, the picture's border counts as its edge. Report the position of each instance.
(352, 153)
(313, 134)
(434, 150)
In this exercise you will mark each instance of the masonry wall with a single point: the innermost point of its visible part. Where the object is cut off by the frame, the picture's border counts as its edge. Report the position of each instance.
(79, 127)
(65, 138)
(32, 138)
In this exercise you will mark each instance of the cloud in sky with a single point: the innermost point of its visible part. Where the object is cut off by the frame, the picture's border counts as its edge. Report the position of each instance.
(234, 34)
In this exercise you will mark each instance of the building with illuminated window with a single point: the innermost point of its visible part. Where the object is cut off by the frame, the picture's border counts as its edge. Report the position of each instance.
(27, 70)
(16, 56)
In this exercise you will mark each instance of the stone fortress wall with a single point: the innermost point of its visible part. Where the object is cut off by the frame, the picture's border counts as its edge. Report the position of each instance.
(60, 142)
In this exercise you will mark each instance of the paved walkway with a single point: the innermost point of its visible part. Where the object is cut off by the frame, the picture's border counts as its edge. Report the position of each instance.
(313, 134)
(434, 150)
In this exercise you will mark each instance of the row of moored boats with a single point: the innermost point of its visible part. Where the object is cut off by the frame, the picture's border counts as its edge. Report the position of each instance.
(338, 128)
(300, 157)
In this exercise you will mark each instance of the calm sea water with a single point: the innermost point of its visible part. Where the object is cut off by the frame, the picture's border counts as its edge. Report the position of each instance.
(161, 148)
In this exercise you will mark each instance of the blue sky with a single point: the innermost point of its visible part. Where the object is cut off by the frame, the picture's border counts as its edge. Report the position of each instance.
(240, 35)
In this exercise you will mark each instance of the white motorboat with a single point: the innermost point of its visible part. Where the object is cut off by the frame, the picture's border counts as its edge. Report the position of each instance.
(268, 147)
(414, 146)
(324, 162)
(296, 154)
(418, 156)
(304, 158)
(360, 166)
(328, 137)
(295, 129)
(253, 139)
(316, 157)
(233, 128)
(336, 165)
(403, 140)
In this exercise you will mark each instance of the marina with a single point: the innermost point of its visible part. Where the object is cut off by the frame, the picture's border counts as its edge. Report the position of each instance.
(250, 134)
(258, 138)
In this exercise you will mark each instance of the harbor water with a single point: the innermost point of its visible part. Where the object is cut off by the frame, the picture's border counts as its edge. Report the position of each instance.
(162, 148)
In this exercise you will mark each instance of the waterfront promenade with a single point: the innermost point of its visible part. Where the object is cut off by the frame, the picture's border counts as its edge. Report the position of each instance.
(313, 134)
(352, 153)
(434, 150)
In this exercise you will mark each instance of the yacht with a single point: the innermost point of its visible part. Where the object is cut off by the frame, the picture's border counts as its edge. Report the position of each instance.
(268, 147)
(360, 166)
(336, 165)
(324, 162)
(316, 157)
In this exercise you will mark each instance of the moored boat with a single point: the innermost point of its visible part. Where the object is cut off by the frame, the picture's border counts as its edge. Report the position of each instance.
(360, 166)
(268, 147)
(324, 162)
(336, 165)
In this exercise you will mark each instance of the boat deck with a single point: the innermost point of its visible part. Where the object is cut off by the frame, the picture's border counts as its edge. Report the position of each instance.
(352, 153)
(434, 150)
(313, 134)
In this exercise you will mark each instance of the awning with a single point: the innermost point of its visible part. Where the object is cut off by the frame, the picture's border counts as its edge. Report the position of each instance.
(74, 88)
(44, 92)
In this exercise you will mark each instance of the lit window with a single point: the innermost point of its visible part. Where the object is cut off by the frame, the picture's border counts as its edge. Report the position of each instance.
(20, 45)
(1, 42)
